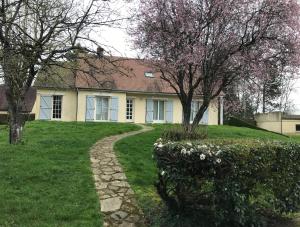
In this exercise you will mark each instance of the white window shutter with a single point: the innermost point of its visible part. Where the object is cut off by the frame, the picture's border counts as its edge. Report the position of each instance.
(149, 111)
(114, 108)
(90, 108)
(45, 107)
(169, 111)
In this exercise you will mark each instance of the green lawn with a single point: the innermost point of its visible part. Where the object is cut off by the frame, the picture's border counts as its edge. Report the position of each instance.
(135, 155)
(47, 180)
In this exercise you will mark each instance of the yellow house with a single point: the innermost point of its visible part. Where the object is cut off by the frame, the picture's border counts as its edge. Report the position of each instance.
(279, 122)
(131, 92)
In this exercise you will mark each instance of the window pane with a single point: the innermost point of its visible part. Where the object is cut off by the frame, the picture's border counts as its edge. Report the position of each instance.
(101, 108)
(155, 110)
(161, 110)
(98, 108)
(105, 109)
(298, 128)
(56, 108)
(129, 109)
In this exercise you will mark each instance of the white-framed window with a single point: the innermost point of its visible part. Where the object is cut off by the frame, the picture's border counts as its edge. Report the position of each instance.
(56, 107)
(129, 109)
(298, 128)
(149, 74)
(102, 108)
(158, 110)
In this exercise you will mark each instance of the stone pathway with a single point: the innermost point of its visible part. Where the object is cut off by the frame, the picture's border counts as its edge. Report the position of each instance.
(118, 204)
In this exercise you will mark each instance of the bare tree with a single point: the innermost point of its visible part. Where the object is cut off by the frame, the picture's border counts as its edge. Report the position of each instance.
(35, 34)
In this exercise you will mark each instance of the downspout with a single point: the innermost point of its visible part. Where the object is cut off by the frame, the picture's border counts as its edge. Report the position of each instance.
(77, 104)
(281, 122)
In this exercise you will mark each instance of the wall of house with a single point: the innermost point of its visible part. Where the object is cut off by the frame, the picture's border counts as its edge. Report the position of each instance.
(274, 122)
(269, 121)
(289, 126)
(68, 103)
(82, 103)
(213, 113)
(274, 126)
(140, 106)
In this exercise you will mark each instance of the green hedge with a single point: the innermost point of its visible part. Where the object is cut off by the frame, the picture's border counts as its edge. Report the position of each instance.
(234, 121)
(221, 184)
(4, 118)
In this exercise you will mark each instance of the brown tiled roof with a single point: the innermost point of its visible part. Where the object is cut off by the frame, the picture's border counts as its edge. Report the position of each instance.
(122, 75)
(58, 77)
(116, 74)
(28, 104)
(107, 73)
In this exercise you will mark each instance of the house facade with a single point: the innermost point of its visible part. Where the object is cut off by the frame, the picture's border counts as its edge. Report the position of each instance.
(279, 122)
(131, 92)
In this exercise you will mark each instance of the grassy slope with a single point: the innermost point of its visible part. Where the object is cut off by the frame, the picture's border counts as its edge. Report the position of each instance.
(135, 154)
(47, 181)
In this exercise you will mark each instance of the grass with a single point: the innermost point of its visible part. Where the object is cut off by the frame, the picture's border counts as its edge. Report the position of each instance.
(47, 180)
(135, 155)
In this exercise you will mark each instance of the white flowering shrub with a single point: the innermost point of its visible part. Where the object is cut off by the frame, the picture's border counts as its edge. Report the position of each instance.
(232, 184)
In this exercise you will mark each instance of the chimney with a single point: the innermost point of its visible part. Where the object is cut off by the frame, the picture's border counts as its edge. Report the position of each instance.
(100, 52)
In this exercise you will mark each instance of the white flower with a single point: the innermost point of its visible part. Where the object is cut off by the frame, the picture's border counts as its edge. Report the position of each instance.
(162, 173)
(183, 151)
(202, 156)
(160, 145)
(189, 144)
(202, 146)
(192, 150)
(218, 160)
(155, 144)
(218, 152)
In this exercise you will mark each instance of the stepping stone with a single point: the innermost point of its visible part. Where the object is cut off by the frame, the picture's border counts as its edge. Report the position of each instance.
(120, 184)
(119, 215)
(106, 177)
(111, 204)
(119, 176)
(127, 224)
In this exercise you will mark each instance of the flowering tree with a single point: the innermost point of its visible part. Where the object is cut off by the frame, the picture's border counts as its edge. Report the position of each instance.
(35, 34)
(201, 47)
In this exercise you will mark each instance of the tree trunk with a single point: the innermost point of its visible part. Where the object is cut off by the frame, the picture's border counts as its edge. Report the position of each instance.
(16, 123)
(264, 99)
(199, 116)
(16, 119)
(186, 117)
